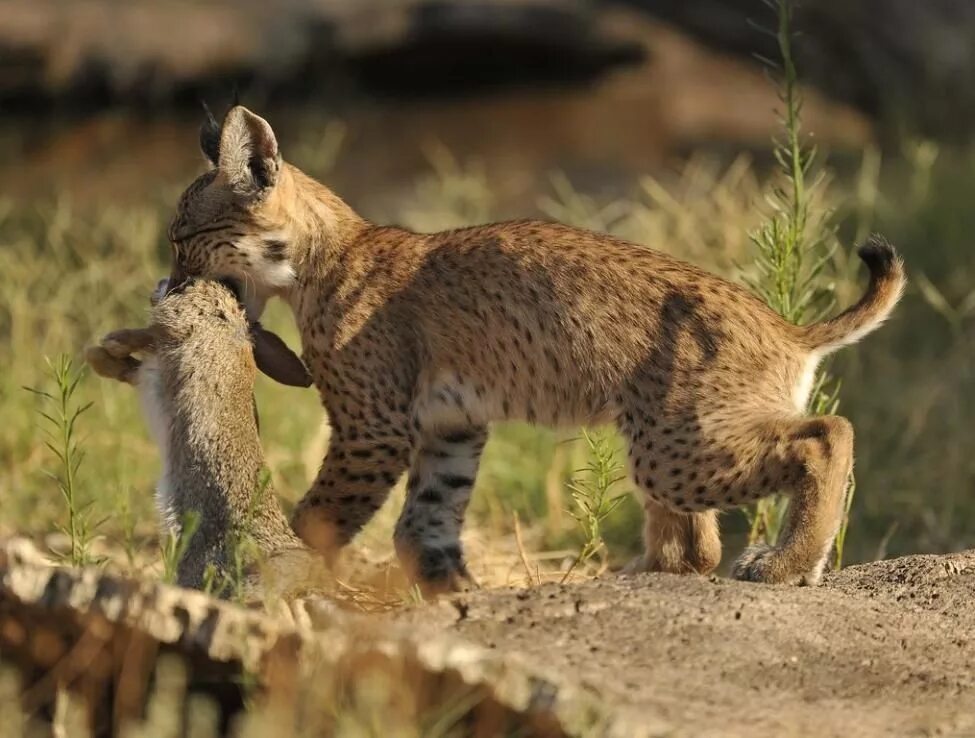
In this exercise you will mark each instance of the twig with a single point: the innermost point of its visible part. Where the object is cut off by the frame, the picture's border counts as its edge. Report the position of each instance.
(521, 551)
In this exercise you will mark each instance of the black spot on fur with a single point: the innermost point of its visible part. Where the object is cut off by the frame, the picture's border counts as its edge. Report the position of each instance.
(455, 481)
(459, 436)
(430, 497)
(275, 250)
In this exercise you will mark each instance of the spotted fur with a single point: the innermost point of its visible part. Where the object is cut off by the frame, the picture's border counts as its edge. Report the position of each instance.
(417, 342)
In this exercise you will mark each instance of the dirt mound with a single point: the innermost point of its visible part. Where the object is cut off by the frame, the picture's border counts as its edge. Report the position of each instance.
(882, 649)
(941, 584)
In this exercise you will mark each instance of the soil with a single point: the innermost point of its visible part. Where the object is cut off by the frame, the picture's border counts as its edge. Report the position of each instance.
(886, 648)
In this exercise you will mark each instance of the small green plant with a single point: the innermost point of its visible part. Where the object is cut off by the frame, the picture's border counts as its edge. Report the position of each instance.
(211, 580)
(592, 495)
(794, 243)
(244, 554)
(60, 411)
(176, 543)
(794, 246)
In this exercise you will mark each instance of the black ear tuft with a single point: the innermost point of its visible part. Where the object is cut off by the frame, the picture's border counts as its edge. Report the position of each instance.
(236, 101)
(210, 136)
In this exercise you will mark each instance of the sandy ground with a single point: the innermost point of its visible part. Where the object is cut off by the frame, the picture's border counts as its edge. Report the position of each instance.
(881, 649)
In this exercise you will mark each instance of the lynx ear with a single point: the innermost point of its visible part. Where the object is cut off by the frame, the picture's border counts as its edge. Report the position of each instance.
(276, 360)
(210, 136)
(249, 154)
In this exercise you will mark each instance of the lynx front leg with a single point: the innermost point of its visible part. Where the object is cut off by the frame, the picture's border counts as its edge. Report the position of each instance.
(354, 481)
(428, 531)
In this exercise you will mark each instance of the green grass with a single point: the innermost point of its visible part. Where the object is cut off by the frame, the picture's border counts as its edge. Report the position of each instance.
(175, 544)
(909, 390)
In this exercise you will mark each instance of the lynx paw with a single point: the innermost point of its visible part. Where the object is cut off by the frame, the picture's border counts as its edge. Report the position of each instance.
(683, 564)
(441, 570)
(763, 563)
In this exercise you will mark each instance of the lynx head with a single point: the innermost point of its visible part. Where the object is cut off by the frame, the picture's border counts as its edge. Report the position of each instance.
(230, 223)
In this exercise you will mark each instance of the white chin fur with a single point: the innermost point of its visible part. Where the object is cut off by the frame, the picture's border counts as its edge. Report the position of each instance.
(275, 279)
(277, 275)
(265, 277)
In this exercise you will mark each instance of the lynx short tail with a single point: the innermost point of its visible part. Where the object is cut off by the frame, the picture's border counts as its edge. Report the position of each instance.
(887, 282)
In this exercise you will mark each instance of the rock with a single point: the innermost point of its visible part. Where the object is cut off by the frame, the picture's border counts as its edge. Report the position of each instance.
(91, 51)
(905, 62)
(102, 636)
(886, 648)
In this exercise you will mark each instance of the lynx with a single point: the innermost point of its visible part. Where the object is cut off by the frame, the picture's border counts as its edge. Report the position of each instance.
(417, 342)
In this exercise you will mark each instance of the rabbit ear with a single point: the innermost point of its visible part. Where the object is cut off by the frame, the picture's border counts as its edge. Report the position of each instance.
(276, 360)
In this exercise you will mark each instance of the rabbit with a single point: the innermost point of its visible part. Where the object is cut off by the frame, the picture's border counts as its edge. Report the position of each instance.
(195, 379)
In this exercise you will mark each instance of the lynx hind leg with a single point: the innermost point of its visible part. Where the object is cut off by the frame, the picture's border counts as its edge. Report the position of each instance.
(680, 531)
(677, 542)
(816, 466)
(428, 531)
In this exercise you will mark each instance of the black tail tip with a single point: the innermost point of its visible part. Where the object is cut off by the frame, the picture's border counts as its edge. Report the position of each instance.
(878, 254)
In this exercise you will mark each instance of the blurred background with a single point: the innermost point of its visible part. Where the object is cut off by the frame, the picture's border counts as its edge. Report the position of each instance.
(652, 119)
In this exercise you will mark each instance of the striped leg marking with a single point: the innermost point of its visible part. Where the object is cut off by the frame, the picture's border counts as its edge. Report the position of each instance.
(440, 483)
